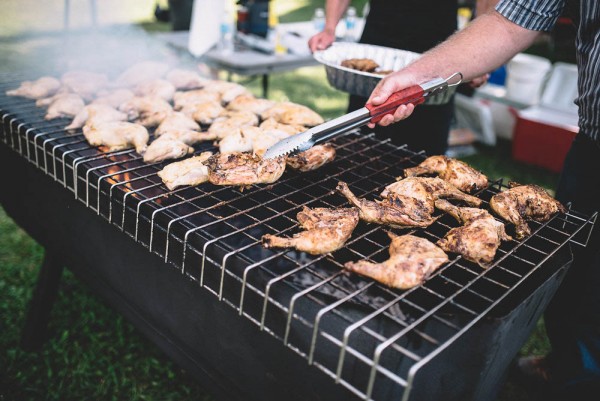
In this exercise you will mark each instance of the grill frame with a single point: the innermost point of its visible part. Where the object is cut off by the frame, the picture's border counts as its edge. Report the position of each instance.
(63, 156)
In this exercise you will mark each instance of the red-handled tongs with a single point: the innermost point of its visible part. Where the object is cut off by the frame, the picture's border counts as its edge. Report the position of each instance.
(415, 94)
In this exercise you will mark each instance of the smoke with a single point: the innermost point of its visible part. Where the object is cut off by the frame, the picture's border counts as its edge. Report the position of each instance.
(35, 41)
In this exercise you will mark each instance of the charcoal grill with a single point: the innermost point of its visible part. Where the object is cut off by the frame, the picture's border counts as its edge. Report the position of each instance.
(188, 269)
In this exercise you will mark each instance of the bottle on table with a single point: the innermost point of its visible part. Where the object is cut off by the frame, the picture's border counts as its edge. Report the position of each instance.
(350, 35)
(319, 19)
(227, 33)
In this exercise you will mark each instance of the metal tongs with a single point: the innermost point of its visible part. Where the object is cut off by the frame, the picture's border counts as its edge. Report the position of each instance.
(416, 94)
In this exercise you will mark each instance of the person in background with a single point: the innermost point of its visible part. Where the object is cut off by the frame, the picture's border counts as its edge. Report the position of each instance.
(413, 25)
(571, 371)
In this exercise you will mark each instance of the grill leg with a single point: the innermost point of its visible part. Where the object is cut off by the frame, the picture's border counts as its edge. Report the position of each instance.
(36, 322)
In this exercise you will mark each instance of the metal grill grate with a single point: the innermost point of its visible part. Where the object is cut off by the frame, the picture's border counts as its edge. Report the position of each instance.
(371, 339)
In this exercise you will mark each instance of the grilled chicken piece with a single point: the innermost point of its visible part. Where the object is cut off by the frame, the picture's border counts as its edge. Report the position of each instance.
(227, 90)
(266, 139)
(412, 260)
(148, 111)
(65, 105)
(271, 123)
(141, 72)
(114, 98)
(244, 169)
(395, 210)
(160, 88)
(240, 141)
(95, 114)
(84, 83)
(525, 202)
(247, 102)
(193, 97)
(456, 172)
(312, 158)
(428, 190)
(360, 64)
(292, 113)
(326, 230)
(117, 135)
(164, 149)
(185, 79)
(176, 121)
(230, 122)
(479, 237)
(173, 145)
(192, 171)
(205, 112)
(38, 89)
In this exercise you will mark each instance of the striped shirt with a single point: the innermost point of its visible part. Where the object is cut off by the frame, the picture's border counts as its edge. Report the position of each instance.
(541, 15)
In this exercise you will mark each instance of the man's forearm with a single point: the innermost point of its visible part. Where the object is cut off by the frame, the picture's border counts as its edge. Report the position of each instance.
(334, 9)
(485, 44)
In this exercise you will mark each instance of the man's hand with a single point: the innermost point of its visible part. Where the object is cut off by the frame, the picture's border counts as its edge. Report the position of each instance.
(477, 82)
(321, 40)
(389, 85)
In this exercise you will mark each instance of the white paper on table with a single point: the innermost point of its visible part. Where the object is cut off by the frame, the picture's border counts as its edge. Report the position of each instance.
(205, 27)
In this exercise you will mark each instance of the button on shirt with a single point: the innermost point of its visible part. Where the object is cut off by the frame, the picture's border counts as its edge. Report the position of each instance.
(541, 15)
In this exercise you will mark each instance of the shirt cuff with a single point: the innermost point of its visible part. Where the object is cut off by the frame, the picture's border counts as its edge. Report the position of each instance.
(531, 14)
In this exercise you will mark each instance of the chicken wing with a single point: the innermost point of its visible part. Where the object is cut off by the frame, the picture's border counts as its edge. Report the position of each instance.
(247, 102)
(240, 141)
(65, 105)
(205, 112)
(292, 113)
(244, 169)
(84, 83)
(412, 260)
(176, 121)
(271, 123)
(395, 210)
(479, 237)
(192, 171)
(185, 79)
(141, 72)
(146, 110)
(193, 97)
(456, 172)
(265, 139)
(312, 158)
(427, 190)
(95, 114)
(326, 230)
(231, 121)
(164, 149)
(114, 98)
(117, 135)
(160, 88)
(227, 90)
(38, 89)
(525, 202)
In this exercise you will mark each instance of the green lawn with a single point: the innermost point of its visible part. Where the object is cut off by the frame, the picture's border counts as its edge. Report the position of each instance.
(92, 352)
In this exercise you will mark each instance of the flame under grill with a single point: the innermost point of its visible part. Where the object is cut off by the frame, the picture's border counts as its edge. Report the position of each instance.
(371, 339)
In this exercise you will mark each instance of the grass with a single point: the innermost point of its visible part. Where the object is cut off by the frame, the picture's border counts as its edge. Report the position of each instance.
(92, 352)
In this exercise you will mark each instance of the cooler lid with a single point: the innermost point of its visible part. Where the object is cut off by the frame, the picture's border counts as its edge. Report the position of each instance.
(561, 89)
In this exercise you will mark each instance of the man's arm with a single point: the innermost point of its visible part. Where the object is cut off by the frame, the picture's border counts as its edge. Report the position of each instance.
(334, 9)
(486, 43)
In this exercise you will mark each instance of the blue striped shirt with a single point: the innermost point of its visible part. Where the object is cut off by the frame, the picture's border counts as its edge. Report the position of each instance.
(541, 15)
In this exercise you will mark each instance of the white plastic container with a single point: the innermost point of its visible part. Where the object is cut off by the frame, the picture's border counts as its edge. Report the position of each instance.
(525, 77)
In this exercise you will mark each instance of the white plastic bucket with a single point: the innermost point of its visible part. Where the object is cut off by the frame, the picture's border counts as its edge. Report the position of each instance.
(525, 77)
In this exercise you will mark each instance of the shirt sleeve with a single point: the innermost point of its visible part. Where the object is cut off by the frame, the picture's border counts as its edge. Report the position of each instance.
(537, 15)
